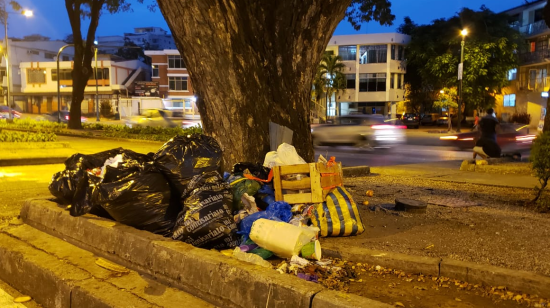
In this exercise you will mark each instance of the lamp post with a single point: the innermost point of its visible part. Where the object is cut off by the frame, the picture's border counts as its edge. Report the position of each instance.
(27, 13)
(58, 87)
(96, 85)
(464, 32)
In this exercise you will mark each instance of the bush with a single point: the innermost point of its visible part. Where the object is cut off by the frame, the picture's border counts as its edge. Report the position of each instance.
(28, 124)
(540, 163)
(26, 137)
(105, 108)
(521, 118)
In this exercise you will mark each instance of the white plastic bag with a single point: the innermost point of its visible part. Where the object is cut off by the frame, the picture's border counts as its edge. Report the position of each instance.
(288, 155)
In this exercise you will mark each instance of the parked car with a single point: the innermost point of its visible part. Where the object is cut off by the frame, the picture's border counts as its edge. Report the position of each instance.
(444, 119)
(411, 120)
(64, 117)
(510, 138)
(152, 117)
(5, 113)
(359, 130)
(430, 119)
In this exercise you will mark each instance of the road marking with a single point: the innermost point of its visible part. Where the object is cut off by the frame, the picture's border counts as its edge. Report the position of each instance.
(6, 301)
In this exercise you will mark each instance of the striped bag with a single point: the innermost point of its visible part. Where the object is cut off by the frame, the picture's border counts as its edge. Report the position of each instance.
(338, 215)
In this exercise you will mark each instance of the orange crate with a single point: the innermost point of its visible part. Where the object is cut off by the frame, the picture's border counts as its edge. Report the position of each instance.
(321, 178)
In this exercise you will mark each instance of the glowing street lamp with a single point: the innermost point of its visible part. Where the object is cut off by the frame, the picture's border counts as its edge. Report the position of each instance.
(464, 32)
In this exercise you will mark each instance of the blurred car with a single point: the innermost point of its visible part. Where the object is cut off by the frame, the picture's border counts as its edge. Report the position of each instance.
(444, 120)
(64, 117)
(430, 119)
(152, 117)
(510, 138)
(5, 113)
(359, 130)
(411, 120)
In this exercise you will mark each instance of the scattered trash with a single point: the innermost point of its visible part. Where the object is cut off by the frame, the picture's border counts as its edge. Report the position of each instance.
(430, 246)
(277, 211)
(366, 202)
(22, 299)
(283, 239)
(250, 258)
(308, 277)
(113, 267)
(312, 250)
(370, 193)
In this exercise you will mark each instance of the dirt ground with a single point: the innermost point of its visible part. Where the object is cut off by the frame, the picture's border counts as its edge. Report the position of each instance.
(498, 230)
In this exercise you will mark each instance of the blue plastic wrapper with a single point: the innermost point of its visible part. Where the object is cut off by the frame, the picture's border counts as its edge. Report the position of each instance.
(278, 211)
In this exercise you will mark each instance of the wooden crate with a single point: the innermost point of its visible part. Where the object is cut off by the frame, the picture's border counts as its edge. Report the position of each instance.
(321, 178)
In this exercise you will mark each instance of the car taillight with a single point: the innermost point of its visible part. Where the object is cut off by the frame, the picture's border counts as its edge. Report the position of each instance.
(467, 139)
(448, 138)
(387, 126)
(66, 117)
(526, 138)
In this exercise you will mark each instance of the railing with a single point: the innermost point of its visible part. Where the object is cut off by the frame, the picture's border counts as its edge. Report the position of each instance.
(537, 84)
(533, 28)
(535, 57)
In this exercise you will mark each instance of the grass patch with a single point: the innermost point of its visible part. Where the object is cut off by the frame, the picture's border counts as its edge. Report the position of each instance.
(9, 136)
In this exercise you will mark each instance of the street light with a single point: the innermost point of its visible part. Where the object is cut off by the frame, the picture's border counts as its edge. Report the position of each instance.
(27, 13)
(58, 77)
(464, 32)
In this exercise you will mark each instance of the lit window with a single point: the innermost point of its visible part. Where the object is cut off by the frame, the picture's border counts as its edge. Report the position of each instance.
(373, 54)
(512, 74)
(509, 100)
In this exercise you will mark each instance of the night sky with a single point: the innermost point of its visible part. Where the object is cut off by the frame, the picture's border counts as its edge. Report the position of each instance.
(50, 17)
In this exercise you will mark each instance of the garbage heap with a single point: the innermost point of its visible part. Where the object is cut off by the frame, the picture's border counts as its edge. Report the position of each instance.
(278, 208)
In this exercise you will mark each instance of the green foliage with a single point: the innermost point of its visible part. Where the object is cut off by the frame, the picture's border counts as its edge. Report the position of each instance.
(330, 72)
(105, 108)
(540, 164)
(13, 136)
(28, 124)
(521, 118)
(433, 55)
(447, 99)
(368, 10)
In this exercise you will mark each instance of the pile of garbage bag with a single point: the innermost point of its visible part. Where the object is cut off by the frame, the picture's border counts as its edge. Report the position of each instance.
(178, 192)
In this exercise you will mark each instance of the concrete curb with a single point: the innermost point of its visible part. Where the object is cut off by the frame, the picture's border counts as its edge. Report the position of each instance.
(357, 171)
(209, 275)
(470, 272)
(32, 161)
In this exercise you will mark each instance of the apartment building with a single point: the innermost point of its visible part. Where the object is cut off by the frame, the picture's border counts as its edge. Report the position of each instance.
(175, 88)
(530, 82)
(374, 72)
(115, 78)
(29, 50)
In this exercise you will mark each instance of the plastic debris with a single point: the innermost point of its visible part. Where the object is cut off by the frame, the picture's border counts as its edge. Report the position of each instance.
(250, 258)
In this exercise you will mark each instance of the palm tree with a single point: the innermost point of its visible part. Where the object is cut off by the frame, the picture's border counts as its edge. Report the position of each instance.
(318, 91)
(331, 69)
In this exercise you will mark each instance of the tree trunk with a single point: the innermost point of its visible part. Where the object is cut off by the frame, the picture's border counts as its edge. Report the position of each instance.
(83, 55)
(252, 62)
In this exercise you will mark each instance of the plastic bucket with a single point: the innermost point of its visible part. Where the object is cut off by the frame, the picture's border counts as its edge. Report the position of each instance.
(283, 239)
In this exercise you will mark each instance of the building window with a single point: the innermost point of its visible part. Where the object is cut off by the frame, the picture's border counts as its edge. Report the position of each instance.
(33, 52)
(512, 74)
(348, 53)
(350, 81)
(155, 71)
(373, 54)
(177, 83)
(50, 56)
(101, 73)
(66, 58)
(539, 15)
(401, 52)
(175, 62)
(399, 83)
(64, 75)
(36, 76)
(392, 81)
(393, 52)
(372, 82)
(509, 100)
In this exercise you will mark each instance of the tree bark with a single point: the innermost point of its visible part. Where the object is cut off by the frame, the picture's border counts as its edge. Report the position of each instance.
(252, 62)
(84, 52)
(546, 127)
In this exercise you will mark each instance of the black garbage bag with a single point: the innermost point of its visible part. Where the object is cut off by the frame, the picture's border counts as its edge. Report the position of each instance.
(207, 220)
(63, 186)
(91, 161)
(141, 200)
(82, 200)
(183, 157)
(257, 170)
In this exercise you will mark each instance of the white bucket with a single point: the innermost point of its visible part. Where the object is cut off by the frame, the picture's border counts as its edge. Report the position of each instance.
(283, 239)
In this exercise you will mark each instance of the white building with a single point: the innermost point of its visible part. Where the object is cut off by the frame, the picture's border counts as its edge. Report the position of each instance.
(375, 70)
(151, 38)
(115, 78)
(30, 51)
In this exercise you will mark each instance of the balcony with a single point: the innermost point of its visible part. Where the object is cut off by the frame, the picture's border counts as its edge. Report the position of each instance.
(535, 57)
(533, 28)
(536, 84)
